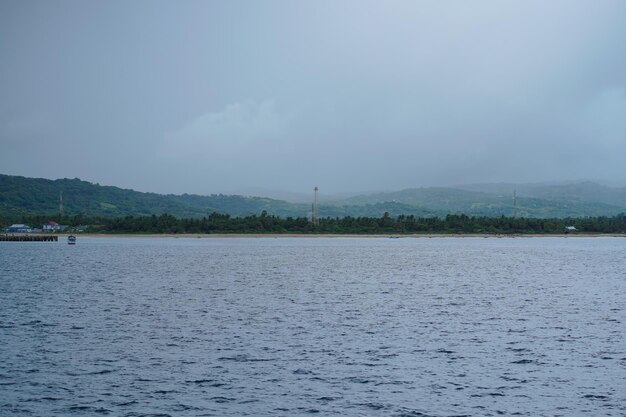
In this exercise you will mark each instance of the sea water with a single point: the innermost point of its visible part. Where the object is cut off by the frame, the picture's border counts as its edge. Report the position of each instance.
(294, 326)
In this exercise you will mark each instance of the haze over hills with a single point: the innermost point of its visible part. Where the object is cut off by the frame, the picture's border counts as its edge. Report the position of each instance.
(293, 197)
(532, 200)
(27, 196)
(582, 191)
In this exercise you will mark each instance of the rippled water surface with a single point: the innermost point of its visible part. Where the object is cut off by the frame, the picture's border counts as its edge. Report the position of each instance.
(264, 326)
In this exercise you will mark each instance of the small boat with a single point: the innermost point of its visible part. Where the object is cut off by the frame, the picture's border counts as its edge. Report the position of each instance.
(71, 240)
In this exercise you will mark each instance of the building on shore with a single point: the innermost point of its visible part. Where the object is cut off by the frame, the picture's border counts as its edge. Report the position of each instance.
(53, 227)
(19, 228)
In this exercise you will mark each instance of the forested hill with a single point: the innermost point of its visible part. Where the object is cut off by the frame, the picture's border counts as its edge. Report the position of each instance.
(26, 196)
(534, 201)
(36, 196)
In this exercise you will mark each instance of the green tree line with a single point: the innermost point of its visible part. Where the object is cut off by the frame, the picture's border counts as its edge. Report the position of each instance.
(266, 223)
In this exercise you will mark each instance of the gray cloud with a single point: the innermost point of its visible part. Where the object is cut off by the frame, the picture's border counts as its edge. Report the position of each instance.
(238, 130)
(212, 97)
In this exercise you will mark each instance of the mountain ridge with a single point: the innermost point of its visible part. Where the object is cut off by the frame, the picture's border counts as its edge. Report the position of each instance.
(23, 196)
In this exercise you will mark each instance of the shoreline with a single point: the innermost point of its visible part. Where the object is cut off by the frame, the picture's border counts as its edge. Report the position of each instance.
(338, 236)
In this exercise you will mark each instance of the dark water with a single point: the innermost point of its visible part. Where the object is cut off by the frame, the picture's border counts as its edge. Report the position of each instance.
(413, 327)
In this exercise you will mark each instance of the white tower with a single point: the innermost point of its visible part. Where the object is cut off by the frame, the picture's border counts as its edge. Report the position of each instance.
(314, 217)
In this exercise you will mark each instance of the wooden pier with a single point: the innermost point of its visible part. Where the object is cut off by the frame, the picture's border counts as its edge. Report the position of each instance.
(25, 237)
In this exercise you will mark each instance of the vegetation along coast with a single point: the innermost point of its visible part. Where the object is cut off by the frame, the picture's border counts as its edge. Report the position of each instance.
(266, 225)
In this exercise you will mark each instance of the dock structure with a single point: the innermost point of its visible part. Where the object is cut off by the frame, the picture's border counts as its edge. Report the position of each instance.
(25, 237)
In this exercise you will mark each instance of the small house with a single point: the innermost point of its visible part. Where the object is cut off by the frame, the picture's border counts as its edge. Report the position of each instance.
(570, 229)
(18, 228)
(53, 226)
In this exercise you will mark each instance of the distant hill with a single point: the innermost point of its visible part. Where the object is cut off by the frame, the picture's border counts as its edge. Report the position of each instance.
(21, 195)
(572, 200)
(28, 196)
(578, 192)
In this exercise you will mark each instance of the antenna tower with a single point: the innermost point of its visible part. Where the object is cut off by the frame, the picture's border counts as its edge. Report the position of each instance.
(514, 203)
(61, 203)
(314, 218)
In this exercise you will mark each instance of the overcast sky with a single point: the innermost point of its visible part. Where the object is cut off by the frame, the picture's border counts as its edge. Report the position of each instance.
(204, 97)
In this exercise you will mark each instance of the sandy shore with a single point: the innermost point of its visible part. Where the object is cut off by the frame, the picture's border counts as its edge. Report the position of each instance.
(372, 236)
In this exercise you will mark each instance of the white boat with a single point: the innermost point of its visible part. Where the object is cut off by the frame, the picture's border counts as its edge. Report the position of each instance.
(71, 240)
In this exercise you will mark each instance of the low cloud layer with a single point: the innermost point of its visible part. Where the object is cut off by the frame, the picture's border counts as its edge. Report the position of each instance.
(238, 129)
